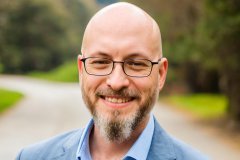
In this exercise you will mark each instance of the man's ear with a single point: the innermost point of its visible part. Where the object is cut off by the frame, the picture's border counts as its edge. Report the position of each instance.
(163, 72)
(80, 64)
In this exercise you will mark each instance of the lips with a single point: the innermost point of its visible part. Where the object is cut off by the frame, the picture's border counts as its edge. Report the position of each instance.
(117, 98)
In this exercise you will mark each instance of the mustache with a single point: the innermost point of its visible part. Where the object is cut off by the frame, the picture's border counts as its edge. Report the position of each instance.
(122, 93)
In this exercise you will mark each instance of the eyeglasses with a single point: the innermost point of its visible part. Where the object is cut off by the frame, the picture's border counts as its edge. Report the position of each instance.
(131, 67)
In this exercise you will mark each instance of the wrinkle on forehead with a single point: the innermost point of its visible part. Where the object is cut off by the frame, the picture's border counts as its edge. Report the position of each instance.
(123, 18)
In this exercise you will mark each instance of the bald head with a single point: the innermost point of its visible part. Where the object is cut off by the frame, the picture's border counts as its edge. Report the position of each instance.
(123, 19)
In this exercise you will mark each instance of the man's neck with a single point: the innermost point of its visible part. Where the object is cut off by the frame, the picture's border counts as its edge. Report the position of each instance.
(100, 148)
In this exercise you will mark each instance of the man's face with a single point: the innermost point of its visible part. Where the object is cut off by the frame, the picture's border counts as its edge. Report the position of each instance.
(119, 103)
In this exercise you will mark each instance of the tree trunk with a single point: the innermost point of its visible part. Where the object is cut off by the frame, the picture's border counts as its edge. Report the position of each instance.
(232, 90)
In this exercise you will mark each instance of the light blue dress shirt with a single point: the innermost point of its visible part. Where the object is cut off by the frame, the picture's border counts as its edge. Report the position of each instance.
(138, 151)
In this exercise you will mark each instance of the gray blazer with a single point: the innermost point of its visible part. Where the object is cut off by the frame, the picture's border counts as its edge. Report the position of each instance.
(64, 147)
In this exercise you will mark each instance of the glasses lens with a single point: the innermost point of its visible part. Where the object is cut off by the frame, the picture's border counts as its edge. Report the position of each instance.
(98, 66)
(137, 67)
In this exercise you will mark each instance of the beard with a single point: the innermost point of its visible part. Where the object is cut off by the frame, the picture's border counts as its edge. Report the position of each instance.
(113, 128)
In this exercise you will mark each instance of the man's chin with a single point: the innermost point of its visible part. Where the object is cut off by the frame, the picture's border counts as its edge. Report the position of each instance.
(115, 116)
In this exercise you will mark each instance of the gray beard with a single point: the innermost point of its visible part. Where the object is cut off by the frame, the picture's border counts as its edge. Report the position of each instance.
(116, 129)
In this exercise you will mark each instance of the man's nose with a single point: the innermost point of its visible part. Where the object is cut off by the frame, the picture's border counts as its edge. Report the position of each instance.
(117, 79)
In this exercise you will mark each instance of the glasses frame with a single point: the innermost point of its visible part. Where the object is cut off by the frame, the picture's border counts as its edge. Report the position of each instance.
(122, 62)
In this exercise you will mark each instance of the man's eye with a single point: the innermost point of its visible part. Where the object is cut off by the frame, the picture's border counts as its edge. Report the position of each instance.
(100, 62)
(136, 63)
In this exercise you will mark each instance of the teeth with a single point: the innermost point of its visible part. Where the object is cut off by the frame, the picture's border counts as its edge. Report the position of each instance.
(117, 100)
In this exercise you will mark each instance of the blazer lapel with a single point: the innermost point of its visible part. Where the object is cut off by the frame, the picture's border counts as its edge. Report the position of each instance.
(161, 147)
(69, 149)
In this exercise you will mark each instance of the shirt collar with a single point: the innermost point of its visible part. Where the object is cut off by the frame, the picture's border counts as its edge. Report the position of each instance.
(83, 147)
(138, 151)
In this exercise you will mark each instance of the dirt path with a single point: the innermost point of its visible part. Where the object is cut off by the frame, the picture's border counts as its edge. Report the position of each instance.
(51, 108)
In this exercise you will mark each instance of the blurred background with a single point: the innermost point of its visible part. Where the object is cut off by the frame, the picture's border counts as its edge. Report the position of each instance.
(41, 39)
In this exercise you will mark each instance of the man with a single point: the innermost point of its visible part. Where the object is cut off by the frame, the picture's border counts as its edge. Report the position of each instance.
(121, 72)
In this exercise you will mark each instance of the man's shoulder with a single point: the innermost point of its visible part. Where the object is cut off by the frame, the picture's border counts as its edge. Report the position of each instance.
(186, 152)
(52, 147)
(164, 145)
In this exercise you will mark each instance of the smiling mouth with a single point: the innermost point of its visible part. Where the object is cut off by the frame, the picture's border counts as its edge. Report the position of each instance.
(117, 99)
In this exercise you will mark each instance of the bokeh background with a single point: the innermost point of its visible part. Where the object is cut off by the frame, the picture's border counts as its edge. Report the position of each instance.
(41, 39)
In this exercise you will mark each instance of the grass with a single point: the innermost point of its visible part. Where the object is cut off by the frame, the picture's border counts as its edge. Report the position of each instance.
(201, 105)
(8, 99)
(67, 72)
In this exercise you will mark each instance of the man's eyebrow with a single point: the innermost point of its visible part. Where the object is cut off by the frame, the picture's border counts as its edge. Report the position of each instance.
(137, 55)
(103, 54)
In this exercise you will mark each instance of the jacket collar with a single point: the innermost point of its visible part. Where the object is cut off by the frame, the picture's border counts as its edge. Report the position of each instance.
(161, 147)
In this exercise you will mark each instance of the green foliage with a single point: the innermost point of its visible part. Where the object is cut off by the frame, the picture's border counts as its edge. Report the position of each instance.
(8, 98)
(202, 105)
(220, 32)
(222, 25)
(39, 34)
(67, 72)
